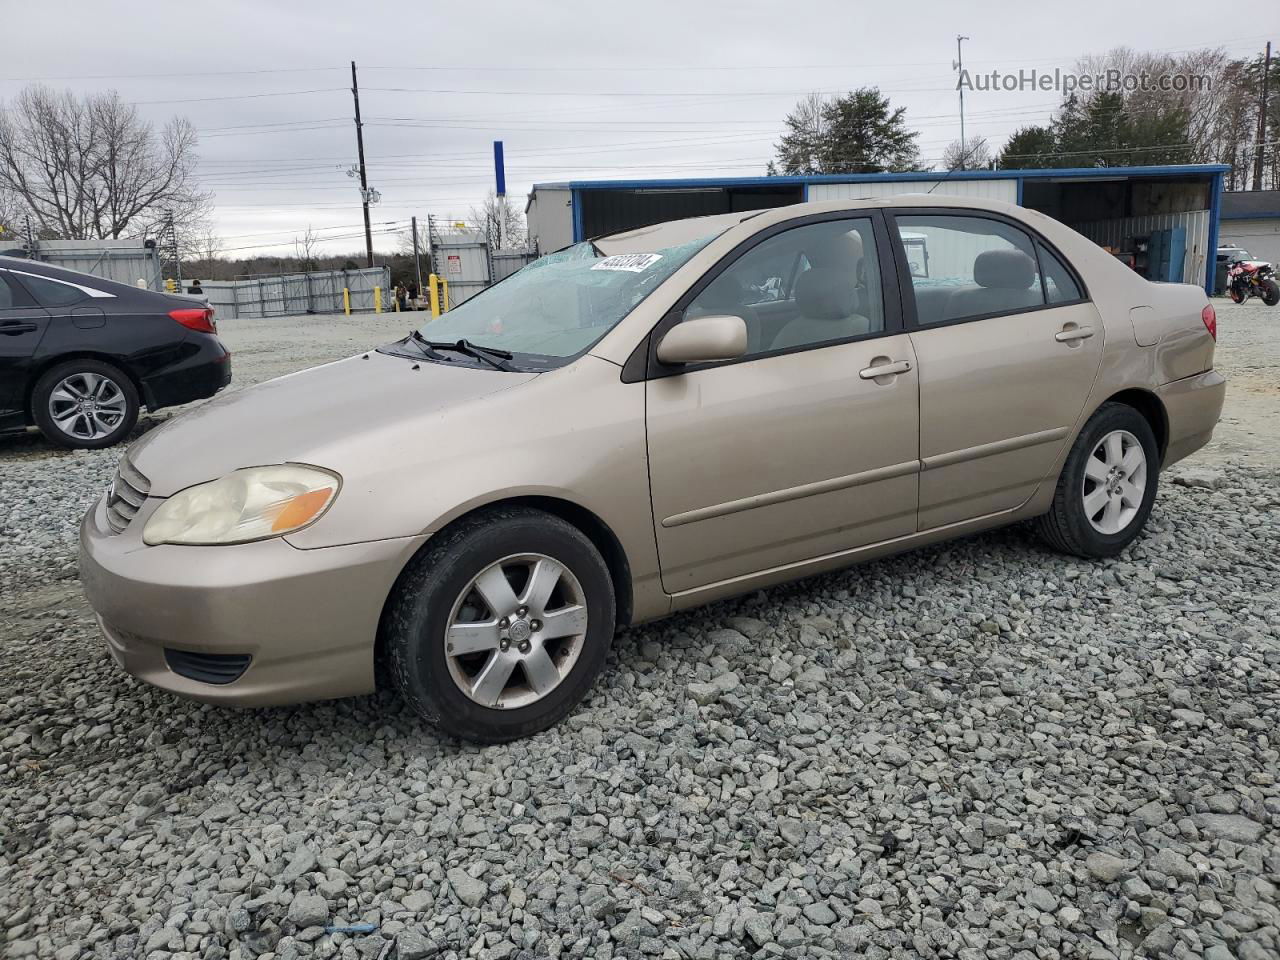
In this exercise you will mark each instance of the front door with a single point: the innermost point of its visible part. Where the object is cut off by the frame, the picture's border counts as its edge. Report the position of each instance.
(22, 324)
(799, 449)
(1009, 347)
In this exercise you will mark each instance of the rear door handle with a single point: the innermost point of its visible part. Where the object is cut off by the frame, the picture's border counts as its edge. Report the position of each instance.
(11, 328)
(1074, 333)
(876, 371)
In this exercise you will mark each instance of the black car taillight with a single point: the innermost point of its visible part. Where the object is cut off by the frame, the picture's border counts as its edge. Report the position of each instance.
(195, 318)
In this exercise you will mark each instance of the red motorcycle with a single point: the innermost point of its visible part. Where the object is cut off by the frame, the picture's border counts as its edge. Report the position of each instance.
(1252, 278)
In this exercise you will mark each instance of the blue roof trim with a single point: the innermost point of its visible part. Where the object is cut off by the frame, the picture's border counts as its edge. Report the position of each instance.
(1081, 173)
(1257, 215)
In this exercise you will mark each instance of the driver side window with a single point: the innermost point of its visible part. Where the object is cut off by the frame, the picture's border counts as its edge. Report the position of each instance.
(808, 285)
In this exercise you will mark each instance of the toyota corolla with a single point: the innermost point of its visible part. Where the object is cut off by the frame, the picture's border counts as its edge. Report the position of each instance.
(640, 424)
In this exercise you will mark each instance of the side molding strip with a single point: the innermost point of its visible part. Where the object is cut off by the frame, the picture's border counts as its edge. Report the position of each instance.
(991, 449)
(794, 493)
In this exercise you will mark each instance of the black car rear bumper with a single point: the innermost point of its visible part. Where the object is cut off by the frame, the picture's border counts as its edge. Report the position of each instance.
(203, 370)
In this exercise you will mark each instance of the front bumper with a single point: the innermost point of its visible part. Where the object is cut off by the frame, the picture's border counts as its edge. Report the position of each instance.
(1193, 406)
(306, 619)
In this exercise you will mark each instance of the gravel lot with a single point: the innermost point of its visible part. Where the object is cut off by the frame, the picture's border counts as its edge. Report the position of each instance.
(977, 750)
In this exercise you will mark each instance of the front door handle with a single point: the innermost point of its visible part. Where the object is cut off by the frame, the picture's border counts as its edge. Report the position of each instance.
(11, 328)
(878, 370)
(1071, 334)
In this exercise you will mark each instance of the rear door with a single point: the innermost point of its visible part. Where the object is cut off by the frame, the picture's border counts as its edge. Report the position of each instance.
(1008, 346)
(22, 325)
(798, 449)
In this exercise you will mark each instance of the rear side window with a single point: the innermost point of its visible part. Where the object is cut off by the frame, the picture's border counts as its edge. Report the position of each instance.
(7, 299)
(968, 267)
(51, 293)
(1059, 285)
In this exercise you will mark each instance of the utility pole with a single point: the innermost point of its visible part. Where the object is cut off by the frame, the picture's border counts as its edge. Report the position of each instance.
(1262, 121)
(417, 262)
(364, 179)
(958, 65)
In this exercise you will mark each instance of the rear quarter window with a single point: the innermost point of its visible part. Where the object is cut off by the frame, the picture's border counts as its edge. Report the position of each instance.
(52, 293)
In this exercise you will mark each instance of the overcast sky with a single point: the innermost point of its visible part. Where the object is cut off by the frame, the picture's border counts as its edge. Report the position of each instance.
(575, 89)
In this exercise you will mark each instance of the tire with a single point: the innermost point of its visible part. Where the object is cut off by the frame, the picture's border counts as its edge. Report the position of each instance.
(1270, 292)
(438, 596)
(110, 401)
(1068, 526)
(1237, 296)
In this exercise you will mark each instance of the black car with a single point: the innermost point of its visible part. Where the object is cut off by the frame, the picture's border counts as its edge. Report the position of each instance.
(79, 354)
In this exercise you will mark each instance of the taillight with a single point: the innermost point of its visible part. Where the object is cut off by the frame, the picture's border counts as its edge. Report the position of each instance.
(195, 318)
(1210, 318)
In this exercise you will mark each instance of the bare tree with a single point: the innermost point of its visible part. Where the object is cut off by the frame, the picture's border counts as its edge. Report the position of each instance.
(500, 210)
(91, 168)
(974, 155)
(808, 132)
(11, 225)
(305, 247)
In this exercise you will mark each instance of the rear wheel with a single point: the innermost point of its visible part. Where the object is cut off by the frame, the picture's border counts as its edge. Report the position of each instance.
(1107, 486)
(1270, 292)
(499, 629)
(85, 404)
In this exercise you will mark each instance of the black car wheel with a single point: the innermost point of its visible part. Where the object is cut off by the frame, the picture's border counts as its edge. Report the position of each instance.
(1107, 486)
(499, 628)
(85, 404)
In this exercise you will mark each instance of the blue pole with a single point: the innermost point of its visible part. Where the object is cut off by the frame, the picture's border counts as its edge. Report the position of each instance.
(1215, 213)
(499, 172)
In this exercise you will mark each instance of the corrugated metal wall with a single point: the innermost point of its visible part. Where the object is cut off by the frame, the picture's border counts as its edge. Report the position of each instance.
(1006, 190)
(295, 294)
(126, 261)
(1119, 232)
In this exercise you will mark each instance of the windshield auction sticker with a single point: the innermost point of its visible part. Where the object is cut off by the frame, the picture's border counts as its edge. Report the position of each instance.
(629, 262)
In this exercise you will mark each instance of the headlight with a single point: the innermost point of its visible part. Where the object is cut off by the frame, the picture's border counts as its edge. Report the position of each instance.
(252, 504)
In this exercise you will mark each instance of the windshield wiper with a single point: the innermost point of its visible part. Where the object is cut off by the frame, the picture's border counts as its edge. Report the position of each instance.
(428, 348)
(491, 355)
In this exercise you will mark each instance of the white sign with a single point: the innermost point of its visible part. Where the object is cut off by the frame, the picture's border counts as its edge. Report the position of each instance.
(629, 262)
(455, 263)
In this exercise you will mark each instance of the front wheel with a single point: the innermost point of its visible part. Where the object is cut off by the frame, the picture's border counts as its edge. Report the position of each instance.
(1270, 292)
(1107, 486)
(1236, 294)
(499, 629)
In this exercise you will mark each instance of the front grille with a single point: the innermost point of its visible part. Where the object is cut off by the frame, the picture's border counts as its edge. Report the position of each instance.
(128, 492)
(207, 667)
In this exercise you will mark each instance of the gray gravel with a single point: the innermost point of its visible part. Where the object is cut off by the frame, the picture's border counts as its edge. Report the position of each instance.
(977, 750)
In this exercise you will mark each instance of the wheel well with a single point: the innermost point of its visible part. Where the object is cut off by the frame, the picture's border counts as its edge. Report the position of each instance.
(49, 364)
(1149, 405)
(595, 529)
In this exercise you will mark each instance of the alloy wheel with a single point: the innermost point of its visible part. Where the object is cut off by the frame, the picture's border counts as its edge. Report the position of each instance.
(88, 406)
(1115, 481)
(516, 631)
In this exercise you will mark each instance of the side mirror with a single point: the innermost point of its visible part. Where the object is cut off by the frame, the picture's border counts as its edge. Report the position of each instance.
(704, 340)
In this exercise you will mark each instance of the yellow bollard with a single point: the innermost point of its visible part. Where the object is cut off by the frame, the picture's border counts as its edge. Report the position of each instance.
(170, 285)
(377, 299)
(445, 296)
(346, 301)
(433, 283)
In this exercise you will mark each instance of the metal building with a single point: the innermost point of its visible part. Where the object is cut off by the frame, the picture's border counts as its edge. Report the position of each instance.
(1251, 219)
(1163, 220)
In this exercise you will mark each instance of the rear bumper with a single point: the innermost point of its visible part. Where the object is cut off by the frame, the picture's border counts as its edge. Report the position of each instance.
(200, 373)
(307, 620)
(1193, 406)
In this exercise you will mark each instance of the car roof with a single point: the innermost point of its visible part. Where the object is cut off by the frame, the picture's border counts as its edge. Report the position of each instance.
(67, 275)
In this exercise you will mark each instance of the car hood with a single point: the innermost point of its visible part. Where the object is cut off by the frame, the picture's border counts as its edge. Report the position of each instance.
(313, 416)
